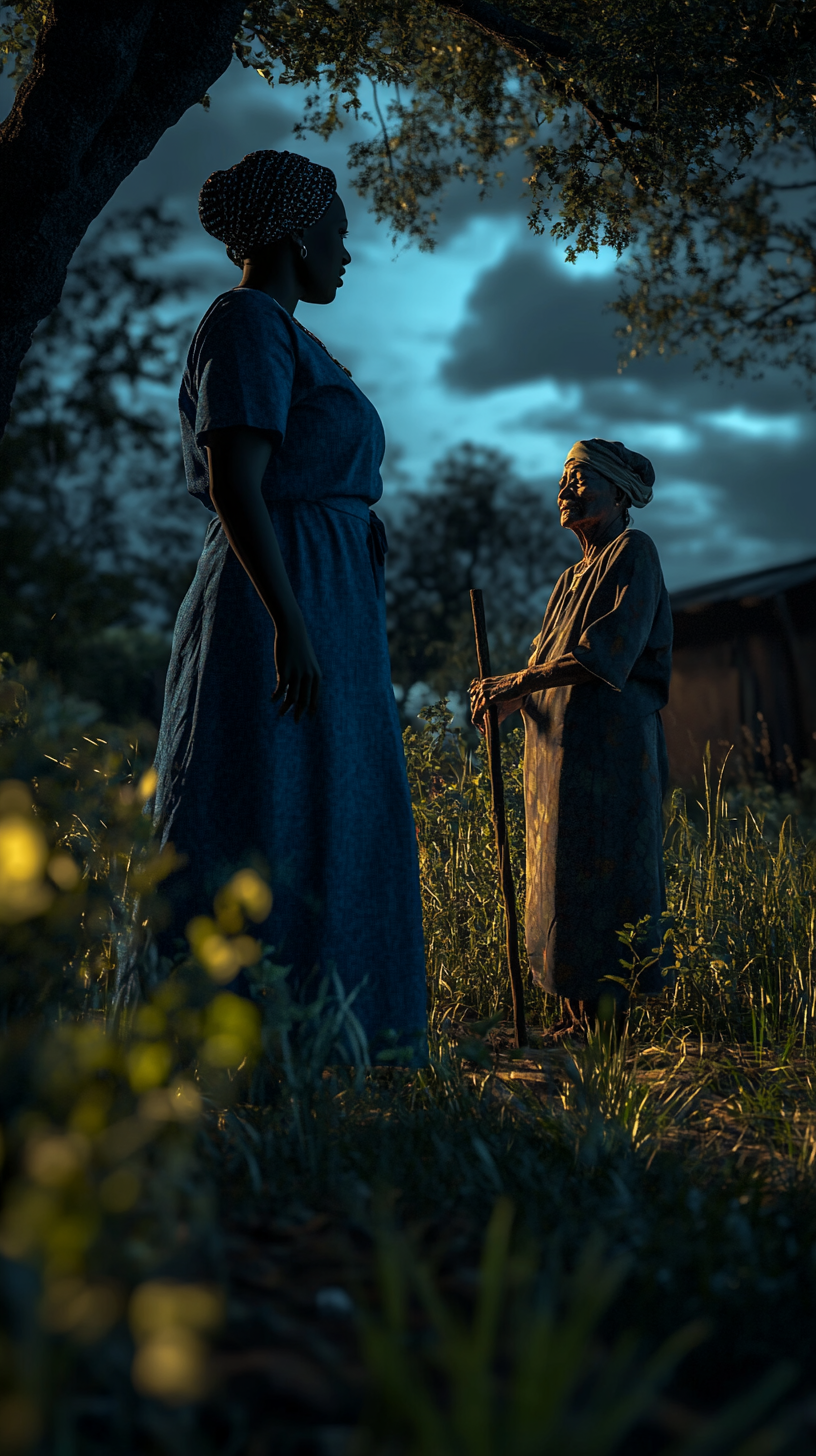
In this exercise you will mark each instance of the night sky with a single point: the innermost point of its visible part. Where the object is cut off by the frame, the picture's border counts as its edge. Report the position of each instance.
(493, 338)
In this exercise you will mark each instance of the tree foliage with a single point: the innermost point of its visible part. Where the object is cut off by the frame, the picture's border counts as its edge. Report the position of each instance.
(679, 130)
(668, 129)
(20, 28)
(95, 542)
(735, 281)
(617, 105)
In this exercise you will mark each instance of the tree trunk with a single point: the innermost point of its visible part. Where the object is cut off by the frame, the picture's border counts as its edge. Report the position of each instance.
(106, 83)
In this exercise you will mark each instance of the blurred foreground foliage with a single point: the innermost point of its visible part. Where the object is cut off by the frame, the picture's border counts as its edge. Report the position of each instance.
(221, 1232)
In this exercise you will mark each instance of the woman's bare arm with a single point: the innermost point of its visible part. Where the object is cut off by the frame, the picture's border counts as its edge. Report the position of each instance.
(564, 672)
(237, 459)
(508, 693)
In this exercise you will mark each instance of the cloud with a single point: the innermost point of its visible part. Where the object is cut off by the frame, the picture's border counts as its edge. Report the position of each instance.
(701, 536)
(781, 429)
(531, 316)
(525, 320)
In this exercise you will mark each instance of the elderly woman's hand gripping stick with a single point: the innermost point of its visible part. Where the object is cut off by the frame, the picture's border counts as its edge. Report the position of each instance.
(509, 693)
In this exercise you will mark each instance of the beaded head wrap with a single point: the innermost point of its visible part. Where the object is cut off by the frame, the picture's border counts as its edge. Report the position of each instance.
(633, 473)
(264, 197)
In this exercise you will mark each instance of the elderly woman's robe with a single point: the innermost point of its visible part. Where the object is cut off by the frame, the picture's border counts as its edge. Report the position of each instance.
(595, 773)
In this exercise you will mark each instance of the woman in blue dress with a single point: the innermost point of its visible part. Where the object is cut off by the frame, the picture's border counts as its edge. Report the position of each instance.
(280, 745)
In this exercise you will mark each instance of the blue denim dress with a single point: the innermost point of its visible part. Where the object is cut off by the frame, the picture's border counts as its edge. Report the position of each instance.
(321, 806)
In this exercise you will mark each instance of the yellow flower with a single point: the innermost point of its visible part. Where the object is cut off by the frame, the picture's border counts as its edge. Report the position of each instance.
(148, 1064)
(64, 871)
(221, 956)
(146, 787)
(23, 857)
(56, 1158)
(233, 1028)
(251, 893)
(169, 1320)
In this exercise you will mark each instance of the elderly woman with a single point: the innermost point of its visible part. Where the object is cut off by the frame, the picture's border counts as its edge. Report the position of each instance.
(595, 765)
(280, 745)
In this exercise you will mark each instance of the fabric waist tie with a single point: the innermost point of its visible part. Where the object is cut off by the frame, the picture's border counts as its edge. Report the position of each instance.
(348, 505)
(345, 505)
(352, 505)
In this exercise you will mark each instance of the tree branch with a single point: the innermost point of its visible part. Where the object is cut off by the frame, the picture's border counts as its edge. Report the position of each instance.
(761, 318)
(791, 186)
(536, 47)
(528, 41)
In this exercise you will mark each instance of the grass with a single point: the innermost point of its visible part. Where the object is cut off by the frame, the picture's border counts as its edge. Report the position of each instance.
(216, 1235)
(741, 918)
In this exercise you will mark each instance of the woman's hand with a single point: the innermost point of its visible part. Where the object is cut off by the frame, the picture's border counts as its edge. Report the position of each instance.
(505, 693)
(298, 671)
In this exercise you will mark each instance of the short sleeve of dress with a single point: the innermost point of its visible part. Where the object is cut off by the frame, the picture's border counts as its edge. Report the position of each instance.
(621, 612)
(244, 367)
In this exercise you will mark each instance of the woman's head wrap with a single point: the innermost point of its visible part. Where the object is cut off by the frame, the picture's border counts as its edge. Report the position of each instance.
(633, 473)
(264, 197)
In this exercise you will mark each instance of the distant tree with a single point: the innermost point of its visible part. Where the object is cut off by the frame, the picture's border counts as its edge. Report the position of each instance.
(636, 120)
(95, 538)
(475, 525)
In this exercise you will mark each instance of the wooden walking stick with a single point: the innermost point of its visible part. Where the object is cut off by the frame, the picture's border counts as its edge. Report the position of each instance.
(500, 825)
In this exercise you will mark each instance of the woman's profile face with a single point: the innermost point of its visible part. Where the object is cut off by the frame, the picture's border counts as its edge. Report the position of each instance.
(320, 273)
(585, 497)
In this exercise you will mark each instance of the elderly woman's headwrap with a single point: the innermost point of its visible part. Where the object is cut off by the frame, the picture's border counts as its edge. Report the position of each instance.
(633, 473)
(264, 197)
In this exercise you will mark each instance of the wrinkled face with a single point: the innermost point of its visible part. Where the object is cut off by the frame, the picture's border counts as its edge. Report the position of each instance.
(585, 497)
(320, 273)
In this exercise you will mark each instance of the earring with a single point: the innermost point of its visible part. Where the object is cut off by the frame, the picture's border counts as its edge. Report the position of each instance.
(304, 252)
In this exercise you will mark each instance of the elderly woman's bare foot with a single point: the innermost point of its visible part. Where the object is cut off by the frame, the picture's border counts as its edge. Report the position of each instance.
(581, 1020)
(562, 1028)
(569, 1028)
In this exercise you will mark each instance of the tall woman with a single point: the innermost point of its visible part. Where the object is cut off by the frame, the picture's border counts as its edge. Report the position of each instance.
(280, 744)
